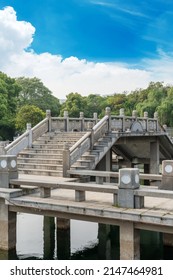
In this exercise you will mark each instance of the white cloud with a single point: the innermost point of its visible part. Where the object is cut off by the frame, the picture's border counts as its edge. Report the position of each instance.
(63, 76)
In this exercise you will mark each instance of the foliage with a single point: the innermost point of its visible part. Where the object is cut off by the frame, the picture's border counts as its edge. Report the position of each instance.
(74, 104)
(28, 114)
(25, 100)
(9, 91)
(33, 92)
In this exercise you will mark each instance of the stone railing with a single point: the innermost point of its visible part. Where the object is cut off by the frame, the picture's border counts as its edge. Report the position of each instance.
(134, 123)
(27, 138)
(86, 142)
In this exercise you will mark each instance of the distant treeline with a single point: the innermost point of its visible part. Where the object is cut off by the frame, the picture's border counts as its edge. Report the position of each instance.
(25, 100)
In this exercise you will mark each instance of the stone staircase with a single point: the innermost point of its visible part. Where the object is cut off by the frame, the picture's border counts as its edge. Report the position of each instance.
(91, 158)
(45, 155)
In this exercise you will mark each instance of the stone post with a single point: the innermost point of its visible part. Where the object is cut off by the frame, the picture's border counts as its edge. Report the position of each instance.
(28, 128)
(108, 113)
(8, 170)
(122, 115)
(95, 117)
(48, 115)
(146, 120)
(167, 175)
(66, 117)
(82, 120)
(128, 182)
(66, 160)
(167, 184)
(134, 114)
(156, 117)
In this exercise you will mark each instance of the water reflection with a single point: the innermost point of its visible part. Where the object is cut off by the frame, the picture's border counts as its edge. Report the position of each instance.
(39, 238)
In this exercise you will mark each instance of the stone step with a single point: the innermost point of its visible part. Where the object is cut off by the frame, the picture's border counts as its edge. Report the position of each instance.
(99, 147)
(74, 166)
(40, 160)
(44, 151)
(81, 162)
(40, 155)
(53, 142)
(40, 166)
(49, 146)
(41, 172)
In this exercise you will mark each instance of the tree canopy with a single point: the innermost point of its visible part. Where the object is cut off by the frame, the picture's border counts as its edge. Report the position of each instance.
(25, 100)
(33, 92)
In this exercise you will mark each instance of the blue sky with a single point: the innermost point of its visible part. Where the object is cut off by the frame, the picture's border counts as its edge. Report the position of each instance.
(115, 37)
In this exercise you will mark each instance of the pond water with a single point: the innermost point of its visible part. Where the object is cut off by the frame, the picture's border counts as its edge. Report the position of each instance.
(37, 238)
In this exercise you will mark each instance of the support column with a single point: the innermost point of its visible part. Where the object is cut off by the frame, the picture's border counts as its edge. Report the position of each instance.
(7, 227)
(154, 157)
(146, 171)
(49, 237)
(129, 241)
(63, 239)
(104, 245)
(106, 163)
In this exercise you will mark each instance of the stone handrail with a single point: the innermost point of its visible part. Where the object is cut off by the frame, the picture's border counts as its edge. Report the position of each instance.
(80, 147)
(26, 139)
(88, 140)
(39, 129)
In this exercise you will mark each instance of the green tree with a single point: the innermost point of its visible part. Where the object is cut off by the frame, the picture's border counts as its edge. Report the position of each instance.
(9, 91)
(28, 114)
(74, 104)
(95, 104)
(33, 92)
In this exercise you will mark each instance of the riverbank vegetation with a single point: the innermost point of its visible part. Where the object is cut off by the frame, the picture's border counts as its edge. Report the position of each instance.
(23, 98)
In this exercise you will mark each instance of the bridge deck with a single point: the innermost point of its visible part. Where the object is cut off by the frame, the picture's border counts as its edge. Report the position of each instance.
(157, 213)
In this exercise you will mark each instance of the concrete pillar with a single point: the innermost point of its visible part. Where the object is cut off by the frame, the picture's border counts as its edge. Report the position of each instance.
(167, 175)
(66, 160)
(128, 182)
(8, 170)
(154, 157)
(49, 237)
(146, 171)
(105, 164)
(66, 125)
(63, 239)
(48, 115)
(129, 241)
(7, 227)
(104, 242)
